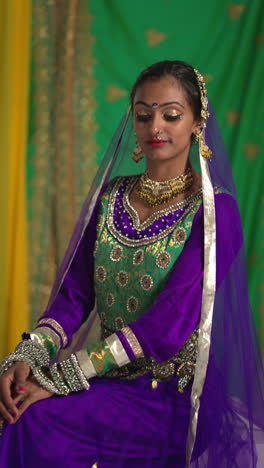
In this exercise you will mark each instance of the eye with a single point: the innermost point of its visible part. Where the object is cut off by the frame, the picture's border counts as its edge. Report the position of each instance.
(172, 115)
(142, 116)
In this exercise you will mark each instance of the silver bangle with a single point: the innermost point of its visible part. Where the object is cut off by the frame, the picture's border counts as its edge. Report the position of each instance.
(73, 374)
(79, 372)
(58, 380)
(35, 351)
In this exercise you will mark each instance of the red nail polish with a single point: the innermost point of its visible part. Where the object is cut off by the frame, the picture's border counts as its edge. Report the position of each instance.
(21, 389)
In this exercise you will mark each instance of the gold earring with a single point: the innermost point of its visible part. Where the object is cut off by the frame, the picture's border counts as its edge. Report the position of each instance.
(137, 153)
(203, 148)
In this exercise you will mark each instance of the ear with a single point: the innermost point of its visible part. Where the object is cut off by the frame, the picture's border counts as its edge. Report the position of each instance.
(198, 126)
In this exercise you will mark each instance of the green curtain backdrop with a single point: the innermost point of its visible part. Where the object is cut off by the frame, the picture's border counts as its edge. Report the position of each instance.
(90, 53)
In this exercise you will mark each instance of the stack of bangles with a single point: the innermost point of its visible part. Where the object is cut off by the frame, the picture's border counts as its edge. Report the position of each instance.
(66, 376)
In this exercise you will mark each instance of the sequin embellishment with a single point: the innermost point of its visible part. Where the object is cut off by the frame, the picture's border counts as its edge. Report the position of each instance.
(96, 245)
(110, 299)
(132, 304)
(146, 282)
(122, 279)
(138, 257)
(163, 260)
(101, 273)
(180, 235)
(102, 317)
(116, 253)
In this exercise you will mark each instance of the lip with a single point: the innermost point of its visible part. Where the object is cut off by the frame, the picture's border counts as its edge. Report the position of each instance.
(157, 143)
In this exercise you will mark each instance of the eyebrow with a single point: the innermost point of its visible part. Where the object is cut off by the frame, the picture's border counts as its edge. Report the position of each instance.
(160, 105)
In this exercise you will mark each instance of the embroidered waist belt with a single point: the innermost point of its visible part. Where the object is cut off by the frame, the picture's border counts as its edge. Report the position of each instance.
(181, 364)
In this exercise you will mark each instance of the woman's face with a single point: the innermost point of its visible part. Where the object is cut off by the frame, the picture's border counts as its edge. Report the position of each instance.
(163, 119)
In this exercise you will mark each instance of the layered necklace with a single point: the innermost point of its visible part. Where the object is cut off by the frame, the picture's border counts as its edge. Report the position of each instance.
(155, 193)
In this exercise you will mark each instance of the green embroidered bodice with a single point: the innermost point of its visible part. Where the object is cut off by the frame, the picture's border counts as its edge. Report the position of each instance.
(133, 260)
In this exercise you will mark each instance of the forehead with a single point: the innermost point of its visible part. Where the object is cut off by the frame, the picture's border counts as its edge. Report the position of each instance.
(165, 89)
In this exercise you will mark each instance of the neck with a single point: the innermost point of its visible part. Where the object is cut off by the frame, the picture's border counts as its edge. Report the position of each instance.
(165, 170)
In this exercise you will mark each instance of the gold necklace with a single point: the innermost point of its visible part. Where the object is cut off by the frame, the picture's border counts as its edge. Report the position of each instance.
(155, 193)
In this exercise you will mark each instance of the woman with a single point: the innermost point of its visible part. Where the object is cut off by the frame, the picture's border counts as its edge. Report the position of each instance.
(167, 384)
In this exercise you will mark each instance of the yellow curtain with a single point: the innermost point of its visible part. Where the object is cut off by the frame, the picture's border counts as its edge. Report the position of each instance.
(15, 21)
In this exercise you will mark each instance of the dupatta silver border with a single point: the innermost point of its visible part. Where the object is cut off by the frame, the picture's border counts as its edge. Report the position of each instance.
(208, 297)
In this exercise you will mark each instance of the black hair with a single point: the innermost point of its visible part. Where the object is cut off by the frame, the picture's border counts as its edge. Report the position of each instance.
(182, 72)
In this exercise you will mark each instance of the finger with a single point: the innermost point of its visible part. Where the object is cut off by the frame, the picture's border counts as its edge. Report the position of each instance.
(5, 414)
(19, 398)
(21, 374)
(6, 397)
(22, 408)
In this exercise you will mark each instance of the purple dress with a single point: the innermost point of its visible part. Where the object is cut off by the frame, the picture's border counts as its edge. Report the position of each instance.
(120, 422)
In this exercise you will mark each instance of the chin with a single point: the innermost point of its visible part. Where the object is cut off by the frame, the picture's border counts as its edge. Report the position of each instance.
(159, 156)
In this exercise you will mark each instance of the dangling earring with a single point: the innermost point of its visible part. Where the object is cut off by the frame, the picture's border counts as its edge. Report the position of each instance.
(203, 148)
(137, 153)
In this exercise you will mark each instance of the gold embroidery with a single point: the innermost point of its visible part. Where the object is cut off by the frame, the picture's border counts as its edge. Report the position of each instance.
(163, 260)
(101, 273)
(132, 304)
(119, 323)
(180, 235)
(113, 93)
(146, 282)
(155, 37)
(133, 342)
(100, 357)
(138, 257)
(116, 253)
(110, 299)
(122, 279)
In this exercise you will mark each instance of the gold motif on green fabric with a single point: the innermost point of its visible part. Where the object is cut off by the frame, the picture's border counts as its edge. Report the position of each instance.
(163, 260)
(101, 357)
(138, 257)
(132, 304)
(116, 253)
(122, 279)
(100, 273)
(110, 299)
(146, 282)
(180, 235)
(119, 323)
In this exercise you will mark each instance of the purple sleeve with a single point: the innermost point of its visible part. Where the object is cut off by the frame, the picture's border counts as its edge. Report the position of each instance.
(75, 299)
(165, 326)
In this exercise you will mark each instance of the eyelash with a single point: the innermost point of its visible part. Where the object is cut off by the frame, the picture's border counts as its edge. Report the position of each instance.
(168, 118)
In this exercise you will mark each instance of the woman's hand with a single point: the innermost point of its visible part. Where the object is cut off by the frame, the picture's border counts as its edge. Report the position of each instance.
(12, 384)
(33, 392)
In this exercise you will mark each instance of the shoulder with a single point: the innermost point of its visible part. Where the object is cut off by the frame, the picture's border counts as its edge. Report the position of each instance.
(225, 205)
(227, 217)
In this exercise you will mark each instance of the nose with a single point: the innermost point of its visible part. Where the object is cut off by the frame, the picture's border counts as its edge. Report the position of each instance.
(156, 124)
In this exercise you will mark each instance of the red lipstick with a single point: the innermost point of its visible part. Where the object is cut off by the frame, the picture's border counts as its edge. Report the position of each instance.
(157, 143)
